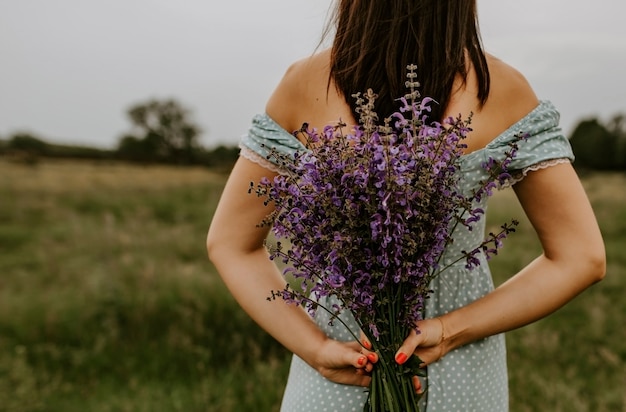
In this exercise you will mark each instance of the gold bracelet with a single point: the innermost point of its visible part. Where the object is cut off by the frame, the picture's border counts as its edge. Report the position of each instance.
(443, 337)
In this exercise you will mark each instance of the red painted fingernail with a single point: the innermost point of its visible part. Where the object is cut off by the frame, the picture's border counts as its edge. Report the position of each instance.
(361, 361)
(417, 384)
(367, 344)
(371, 357)
(400, 358)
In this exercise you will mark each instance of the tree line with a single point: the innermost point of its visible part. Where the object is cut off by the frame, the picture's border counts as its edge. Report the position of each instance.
(162, 131)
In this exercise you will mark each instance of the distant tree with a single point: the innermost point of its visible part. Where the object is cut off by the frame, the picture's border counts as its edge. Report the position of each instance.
(162, 131)
(617, 126)
(221, 158)
(28, 143)
(600, 147)
(24, 148)
(133, 148)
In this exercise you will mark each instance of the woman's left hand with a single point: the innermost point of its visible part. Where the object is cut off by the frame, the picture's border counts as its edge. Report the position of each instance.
(347, 363)
(428, 344)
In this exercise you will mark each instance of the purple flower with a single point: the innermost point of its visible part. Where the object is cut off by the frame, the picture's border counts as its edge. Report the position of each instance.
(369, 214)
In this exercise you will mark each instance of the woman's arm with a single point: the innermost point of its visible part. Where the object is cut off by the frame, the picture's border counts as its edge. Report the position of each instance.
(235, 246)
(573, 259)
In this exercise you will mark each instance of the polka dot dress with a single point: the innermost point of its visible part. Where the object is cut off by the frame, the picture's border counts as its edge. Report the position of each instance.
(472, 378)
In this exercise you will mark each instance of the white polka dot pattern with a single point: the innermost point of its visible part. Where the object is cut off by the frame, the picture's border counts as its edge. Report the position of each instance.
(472, 378)
(263, 136)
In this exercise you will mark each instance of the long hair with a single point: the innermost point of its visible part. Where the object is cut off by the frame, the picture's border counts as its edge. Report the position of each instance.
(375, 40)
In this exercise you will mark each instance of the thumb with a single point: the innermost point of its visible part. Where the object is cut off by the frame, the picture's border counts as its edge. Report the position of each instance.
(423, 334)
(406, 350)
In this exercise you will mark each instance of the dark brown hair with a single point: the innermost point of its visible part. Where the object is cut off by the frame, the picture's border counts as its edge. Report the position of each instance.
(376, 39)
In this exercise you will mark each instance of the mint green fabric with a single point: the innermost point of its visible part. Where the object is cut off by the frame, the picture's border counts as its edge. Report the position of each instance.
(264, 136)
(471, 378)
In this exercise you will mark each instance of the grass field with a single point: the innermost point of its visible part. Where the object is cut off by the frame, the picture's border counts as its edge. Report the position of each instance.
(108, 303)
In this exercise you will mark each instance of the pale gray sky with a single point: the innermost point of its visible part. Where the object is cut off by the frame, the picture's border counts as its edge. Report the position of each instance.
(69, 69)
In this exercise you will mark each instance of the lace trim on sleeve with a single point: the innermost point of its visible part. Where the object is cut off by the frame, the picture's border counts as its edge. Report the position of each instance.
(521, 174)
(254, 157)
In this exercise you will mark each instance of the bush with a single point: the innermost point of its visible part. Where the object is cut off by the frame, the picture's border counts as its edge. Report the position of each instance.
(599, 147)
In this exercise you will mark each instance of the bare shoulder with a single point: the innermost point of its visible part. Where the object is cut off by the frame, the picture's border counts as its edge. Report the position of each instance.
(303, 84)
(510, 99)
(510, 89)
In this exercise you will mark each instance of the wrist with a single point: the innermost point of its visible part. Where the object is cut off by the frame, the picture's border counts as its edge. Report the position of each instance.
(451, 334)
(311, 350)
(442, 336)
(454, 332)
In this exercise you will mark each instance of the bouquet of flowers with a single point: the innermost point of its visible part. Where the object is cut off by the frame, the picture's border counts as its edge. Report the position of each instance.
(369, 215)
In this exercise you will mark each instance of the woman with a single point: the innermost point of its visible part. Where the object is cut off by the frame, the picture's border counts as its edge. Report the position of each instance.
(461, 340)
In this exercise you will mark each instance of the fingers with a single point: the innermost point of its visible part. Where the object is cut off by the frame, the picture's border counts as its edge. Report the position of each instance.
(417, 384)
(350, 354)
(346, 363)
(426, 343)
(358, 357)
(407, 348)
(372, 357)
(352, 362)
(365, 359)
(360, 380)
(365, 342)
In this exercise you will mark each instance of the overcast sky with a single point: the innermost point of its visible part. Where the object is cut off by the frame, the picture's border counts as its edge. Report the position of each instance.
(69, 69)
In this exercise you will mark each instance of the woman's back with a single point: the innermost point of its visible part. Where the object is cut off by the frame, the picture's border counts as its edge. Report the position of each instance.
(305, 96)
(472, 377)
(460, 339)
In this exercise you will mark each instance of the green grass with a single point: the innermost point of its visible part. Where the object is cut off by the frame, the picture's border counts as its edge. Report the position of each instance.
(575, 359)
(108, 303)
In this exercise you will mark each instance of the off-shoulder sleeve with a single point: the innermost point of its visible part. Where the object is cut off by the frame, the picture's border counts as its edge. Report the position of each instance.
(544, 145)
(264, 136)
